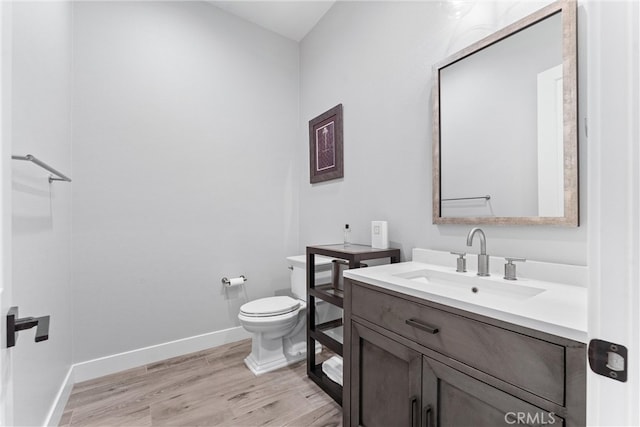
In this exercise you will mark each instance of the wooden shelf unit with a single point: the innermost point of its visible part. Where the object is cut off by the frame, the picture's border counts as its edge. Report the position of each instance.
(322, 333)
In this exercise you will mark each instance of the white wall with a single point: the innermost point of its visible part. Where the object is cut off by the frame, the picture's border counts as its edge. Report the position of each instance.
(184, 123)
(40, 111)
(375, 58)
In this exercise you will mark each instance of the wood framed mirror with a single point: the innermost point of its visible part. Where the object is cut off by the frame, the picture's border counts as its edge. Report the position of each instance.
(505, 145)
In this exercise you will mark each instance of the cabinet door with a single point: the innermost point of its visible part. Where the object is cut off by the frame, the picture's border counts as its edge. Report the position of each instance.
(452, 398)
(386, 380)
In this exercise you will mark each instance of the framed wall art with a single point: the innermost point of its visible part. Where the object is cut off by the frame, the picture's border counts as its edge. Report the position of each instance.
(325, 146)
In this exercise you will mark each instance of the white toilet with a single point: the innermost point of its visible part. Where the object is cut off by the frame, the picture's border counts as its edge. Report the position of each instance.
(278, 324)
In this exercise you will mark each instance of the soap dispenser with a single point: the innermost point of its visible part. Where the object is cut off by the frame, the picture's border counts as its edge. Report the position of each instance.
(347, 235)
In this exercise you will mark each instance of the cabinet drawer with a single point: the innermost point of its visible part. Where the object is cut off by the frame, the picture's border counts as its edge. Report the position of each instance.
(529, 363)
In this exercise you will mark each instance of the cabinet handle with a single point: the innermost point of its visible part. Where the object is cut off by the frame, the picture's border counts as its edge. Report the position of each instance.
(414, 401)
(427, 416)
(417, 324)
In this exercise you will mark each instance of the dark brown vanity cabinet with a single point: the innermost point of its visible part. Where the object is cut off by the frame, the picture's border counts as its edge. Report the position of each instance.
(389, 380)
(415, 363)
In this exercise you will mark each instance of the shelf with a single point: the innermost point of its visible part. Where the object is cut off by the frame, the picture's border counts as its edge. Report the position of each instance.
(336, 333)
(333, 389)
(329, 334)
(328, 293)
(330, 325)
(355, 251)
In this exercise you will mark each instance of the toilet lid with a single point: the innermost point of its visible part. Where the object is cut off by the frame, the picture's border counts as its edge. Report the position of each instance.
(272, 306)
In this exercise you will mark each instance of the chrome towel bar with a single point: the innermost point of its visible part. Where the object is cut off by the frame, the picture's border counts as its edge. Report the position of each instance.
(59, 176)
(487, 197)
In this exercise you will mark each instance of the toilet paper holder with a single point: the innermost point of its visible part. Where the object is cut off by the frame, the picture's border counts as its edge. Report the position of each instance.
(233, 281)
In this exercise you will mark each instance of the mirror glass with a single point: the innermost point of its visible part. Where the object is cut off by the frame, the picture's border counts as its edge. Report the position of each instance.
(506, 148)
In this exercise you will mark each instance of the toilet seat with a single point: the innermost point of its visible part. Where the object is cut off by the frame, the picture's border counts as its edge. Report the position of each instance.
(271, 306)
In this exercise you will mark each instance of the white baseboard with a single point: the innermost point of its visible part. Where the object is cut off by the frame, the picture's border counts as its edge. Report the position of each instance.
(131, 359)
(95, 368)
(55, 413)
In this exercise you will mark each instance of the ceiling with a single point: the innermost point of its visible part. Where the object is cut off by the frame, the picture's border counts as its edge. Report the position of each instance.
(291, 19)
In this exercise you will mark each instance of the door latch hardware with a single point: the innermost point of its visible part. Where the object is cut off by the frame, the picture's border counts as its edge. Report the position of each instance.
(14, 325)
(608, 359)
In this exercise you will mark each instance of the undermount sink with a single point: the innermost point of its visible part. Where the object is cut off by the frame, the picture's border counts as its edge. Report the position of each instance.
(456, 284)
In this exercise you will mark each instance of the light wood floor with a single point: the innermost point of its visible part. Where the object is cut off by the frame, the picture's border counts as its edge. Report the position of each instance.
(207, 388)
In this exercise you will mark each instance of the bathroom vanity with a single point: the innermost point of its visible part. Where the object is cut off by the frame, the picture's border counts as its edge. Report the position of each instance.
(485, 352)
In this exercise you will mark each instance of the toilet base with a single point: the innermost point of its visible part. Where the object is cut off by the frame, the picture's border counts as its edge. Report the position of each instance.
(276, 360)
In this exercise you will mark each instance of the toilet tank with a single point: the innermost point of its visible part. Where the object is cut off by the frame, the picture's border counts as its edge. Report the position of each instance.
(298, 266)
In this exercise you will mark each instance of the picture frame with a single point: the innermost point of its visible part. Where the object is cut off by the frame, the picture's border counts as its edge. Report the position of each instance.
(326, 146)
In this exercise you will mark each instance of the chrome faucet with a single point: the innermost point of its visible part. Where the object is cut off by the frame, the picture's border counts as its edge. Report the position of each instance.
(483, 258)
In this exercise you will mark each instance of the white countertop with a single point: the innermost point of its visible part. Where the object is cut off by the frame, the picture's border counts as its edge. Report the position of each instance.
(560, 309)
